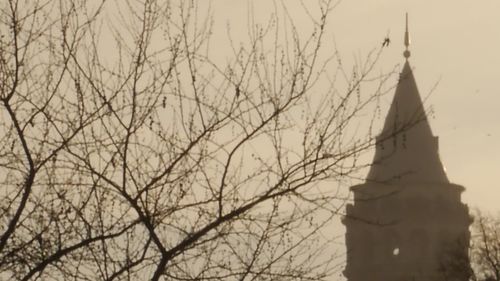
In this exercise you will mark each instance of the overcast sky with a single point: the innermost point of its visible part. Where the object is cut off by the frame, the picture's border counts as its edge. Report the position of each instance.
(455, 43)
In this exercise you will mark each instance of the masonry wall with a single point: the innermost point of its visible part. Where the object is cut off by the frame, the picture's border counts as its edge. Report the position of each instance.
(404, 232)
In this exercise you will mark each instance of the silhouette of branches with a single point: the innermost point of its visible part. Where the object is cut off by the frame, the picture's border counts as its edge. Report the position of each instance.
(481, 261)
(129, 151)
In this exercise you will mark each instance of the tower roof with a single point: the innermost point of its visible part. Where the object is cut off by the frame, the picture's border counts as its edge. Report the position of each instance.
(406, 150)
(407, 110)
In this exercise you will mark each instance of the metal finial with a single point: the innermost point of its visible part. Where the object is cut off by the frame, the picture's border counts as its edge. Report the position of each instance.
(407, 40)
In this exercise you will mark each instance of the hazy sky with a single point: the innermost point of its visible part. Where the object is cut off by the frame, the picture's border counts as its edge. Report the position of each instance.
(455, 43)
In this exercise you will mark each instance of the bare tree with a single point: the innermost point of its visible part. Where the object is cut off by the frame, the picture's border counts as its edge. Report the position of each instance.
(485, 248)
(127, 152)
(481, 260)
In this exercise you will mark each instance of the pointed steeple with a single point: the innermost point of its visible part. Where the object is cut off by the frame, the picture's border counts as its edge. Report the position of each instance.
(404, 218)
(406, 149)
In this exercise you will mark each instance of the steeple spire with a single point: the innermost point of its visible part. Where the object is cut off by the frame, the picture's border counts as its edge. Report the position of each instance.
(407, 213)
(406, 150)
(407, 40)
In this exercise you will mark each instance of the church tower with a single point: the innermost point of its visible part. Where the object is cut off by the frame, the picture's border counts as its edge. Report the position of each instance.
(407, 221)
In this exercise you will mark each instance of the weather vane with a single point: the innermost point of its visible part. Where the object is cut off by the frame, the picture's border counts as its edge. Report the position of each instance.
(407, 40)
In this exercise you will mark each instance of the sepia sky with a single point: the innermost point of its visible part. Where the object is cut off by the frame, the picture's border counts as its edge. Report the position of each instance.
(456, 61)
